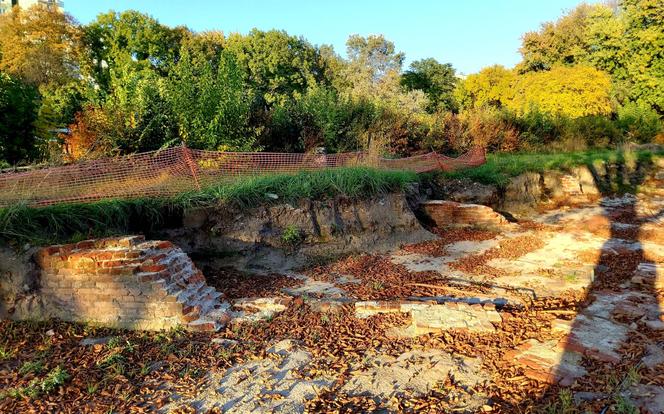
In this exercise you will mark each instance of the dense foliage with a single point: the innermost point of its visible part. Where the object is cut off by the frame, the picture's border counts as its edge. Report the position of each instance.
(125, 83)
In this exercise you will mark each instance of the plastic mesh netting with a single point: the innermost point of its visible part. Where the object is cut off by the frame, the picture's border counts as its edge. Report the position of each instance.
(176, 170)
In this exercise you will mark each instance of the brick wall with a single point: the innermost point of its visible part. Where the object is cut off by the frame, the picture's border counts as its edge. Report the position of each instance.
(449, 214)
(127, 283)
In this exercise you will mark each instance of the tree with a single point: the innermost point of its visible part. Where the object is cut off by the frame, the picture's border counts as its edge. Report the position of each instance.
(488, 87)
(370, 60)
(562, 42)
(39, 45)
(570, 91)
(129, 38)
(645, 43)
(210, 103)
(18, 112)
(625, 42)
(435, 79)
(276, 66)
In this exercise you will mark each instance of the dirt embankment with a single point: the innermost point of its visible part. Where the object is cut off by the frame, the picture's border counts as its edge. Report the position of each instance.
(286, 235)
(531, 192)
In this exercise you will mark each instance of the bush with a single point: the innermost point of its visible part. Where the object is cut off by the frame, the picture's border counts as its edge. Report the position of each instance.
(638, 122)
(319, 118)
(18, 112)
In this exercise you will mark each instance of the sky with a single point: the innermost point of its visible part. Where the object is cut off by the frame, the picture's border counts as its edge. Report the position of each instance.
(470, 34)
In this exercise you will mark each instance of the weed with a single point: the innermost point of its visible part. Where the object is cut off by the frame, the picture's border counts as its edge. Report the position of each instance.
(114, 342)
(292, 236)
(53, 380)
(91, 388)
(114, 363)
(31, 367)
(377, 285)
(145, 369)
(571, 278)
(224, 353)
(5, 353)
(624, 406)
(563, 405)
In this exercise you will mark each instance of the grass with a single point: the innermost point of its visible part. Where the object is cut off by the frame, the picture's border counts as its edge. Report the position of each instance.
(64, 223)
(499, 168)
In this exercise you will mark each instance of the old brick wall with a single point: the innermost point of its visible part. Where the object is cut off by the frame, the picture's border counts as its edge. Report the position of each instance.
(451, 214)
(126, 282)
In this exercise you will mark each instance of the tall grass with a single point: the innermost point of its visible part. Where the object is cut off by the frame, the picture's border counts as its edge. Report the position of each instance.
(71, 222)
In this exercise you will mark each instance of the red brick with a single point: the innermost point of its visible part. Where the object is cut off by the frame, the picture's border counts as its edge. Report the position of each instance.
(152, 268)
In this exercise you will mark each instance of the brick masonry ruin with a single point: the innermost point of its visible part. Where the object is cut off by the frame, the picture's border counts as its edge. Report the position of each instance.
(124, 283)
(452, 214)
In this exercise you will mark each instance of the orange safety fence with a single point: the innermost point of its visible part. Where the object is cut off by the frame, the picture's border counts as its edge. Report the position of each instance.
(176, 170)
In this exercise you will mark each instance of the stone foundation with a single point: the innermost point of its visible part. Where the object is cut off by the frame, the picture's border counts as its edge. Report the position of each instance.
(452, 214)
(122, 283)
(434, 317)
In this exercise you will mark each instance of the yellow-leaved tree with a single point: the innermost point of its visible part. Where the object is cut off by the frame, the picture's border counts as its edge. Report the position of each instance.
(569, 91)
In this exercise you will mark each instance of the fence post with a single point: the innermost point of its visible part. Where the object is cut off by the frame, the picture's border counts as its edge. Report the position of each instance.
(193, 168)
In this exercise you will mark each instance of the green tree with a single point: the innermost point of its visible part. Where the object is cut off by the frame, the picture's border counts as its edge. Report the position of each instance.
(435, 79)
(276, 65)
(372, 60)
(18, 112)
(560, 42)
(645, 43)
(625, 42)
(210, 103)
(129, 38)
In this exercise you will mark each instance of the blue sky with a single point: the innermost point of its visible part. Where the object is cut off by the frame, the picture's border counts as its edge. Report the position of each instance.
(470, 34)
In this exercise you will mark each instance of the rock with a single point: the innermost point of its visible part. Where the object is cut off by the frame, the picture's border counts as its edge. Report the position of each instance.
(650, 398)
(429, 317)
(467, 191)
(547, 361)
(413, 373)
(649, 274)
(262, 385)
(253, 309)
(332, 227)
(522, 195)
(95, 341)
(283, 347)
(655, 325)
(226, 343)
(654, 357)
(586, 180)
(582, 396)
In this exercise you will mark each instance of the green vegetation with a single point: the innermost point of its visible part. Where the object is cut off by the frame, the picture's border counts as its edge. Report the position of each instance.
(352, 182)
(126, 83)
(31, 367)
(51, 382)
(74, 222)
(499, 168)
(292, 235)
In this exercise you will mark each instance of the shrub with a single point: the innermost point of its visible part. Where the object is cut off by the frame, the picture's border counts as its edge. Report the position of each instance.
(638, 122)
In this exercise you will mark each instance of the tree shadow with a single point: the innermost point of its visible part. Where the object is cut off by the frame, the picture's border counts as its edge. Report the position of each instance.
(609, 335)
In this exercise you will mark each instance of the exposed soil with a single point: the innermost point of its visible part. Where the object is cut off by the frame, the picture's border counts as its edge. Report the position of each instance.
(319, 356)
